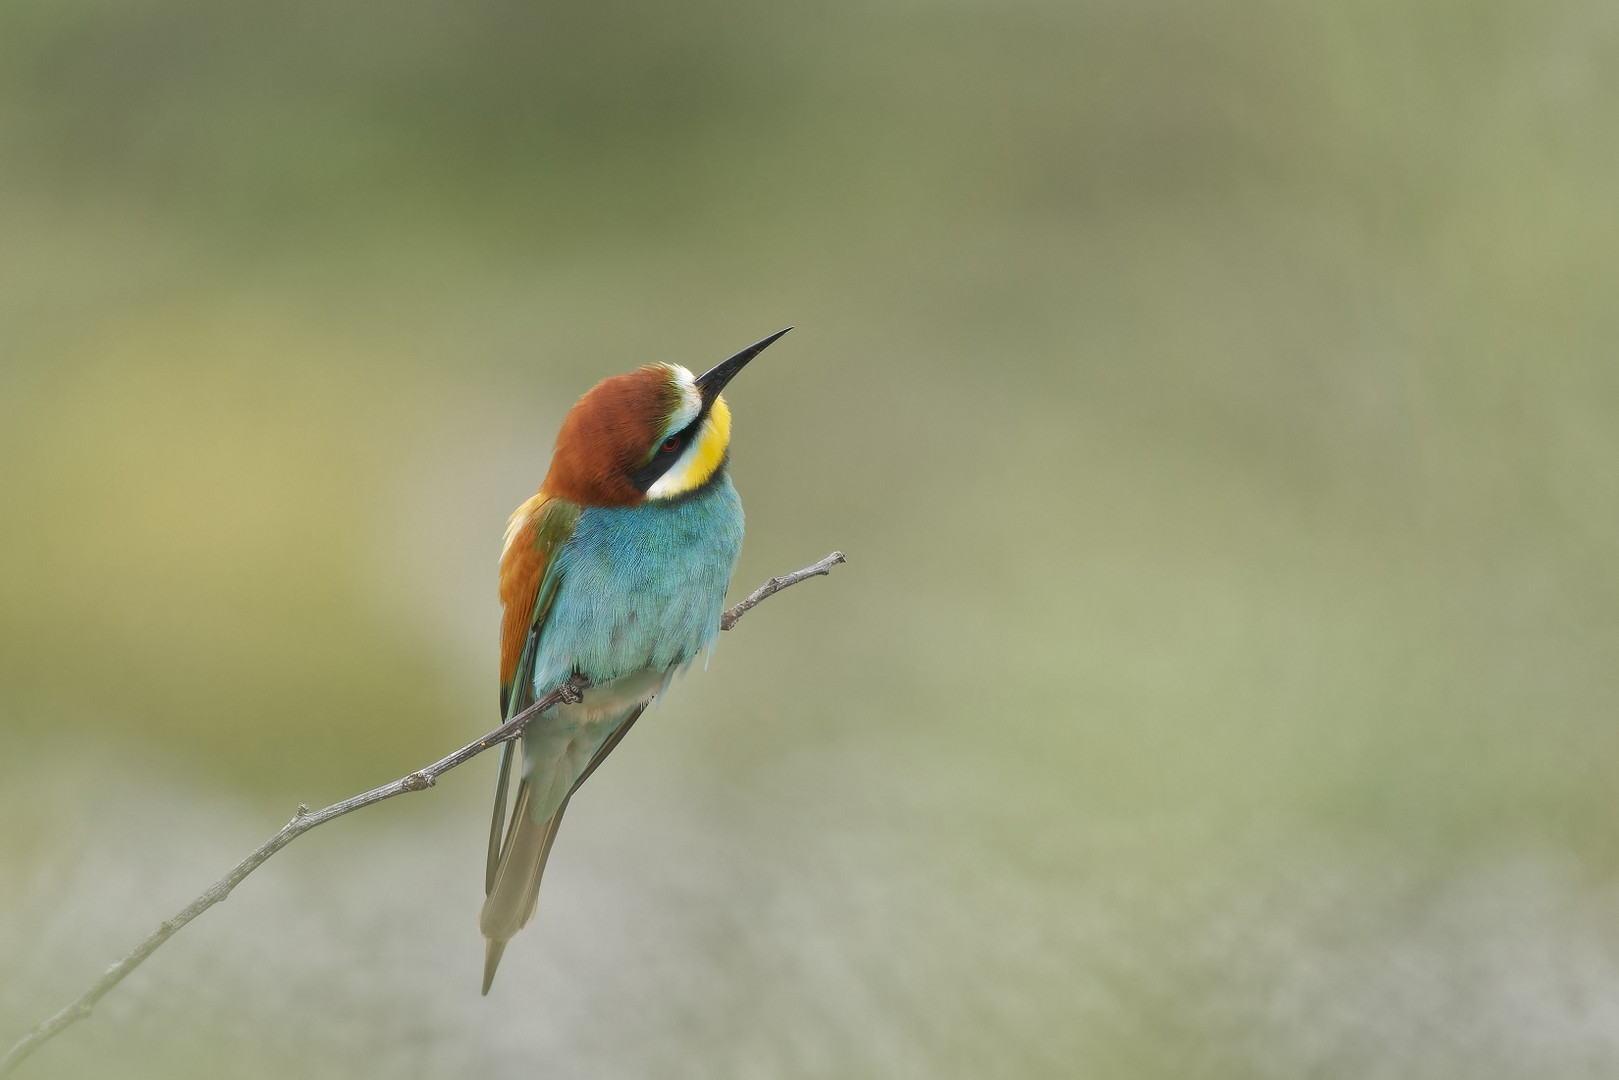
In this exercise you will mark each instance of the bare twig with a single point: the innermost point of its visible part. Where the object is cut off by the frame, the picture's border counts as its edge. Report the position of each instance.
(775, 585)
(306, 819)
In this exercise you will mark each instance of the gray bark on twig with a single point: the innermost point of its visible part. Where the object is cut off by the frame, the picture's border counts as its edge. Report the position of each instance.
(306, 819)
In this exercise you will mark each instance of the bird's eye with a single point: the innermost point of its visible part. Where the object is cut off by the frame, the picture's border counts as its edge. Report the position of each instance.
(671, 444)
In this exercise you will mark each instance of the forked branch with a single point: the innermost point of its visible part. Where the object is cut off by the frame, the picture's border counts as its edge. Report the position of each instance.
(306, 819)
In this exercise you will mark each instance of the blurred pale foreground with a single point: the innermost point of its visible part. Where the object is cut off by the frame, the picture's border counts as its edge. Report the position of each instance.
(683, 938)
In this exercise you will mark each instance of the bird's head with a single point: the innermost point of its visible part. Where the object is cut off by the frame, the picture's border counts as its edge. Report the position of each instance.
(656, 433)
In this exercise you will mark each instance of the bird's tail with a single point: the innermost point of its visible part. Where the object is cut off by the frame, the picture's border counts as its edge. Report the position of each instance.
(514, 882)
(518, 850)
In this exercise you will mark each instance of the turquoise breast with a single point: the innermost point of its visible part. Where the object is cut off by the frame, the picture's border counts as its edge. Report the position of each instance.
(641, 588)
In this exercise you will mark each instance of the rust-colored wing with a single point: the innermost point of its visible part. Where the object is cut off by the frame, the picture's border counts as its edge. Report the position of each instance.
(528, 584)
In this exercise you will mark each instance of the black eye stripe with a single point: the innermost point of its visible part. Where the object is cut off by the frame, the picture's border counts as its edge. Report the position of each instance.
(664, 457)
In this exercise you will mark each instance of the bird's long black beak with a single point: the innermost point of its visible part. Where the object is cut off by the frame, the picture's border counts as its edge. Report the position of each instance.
(712, 381)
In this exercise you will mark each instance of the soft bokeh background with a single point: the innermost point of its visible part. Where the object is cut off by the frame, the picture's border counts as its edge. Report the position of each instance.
(1219, 405)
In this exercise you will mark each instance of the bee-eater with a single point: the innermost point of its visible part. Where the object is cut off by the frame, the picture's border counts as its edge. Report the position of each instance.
(616, 571)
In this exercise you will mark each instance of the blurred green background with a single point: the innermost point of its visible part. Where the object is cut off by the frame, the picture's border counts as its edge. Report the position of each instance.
(1218, 404)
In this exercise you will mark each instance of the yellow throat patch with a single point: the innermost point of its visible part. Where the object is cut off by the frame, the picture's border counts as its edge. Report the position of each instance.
(702, 457)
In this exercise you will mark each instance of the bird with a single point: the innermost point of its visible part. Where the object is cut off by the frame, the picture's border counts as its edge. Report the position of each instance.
(616, 572)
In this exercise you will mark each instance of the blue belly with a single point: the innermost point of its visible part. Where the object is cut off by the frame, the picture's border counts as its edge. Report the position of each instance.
(640, 594)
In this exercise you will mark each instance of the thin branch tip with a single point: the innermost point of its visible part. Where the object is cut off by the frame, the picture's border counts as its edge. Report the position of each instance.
(570, 692)
(777, 584)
